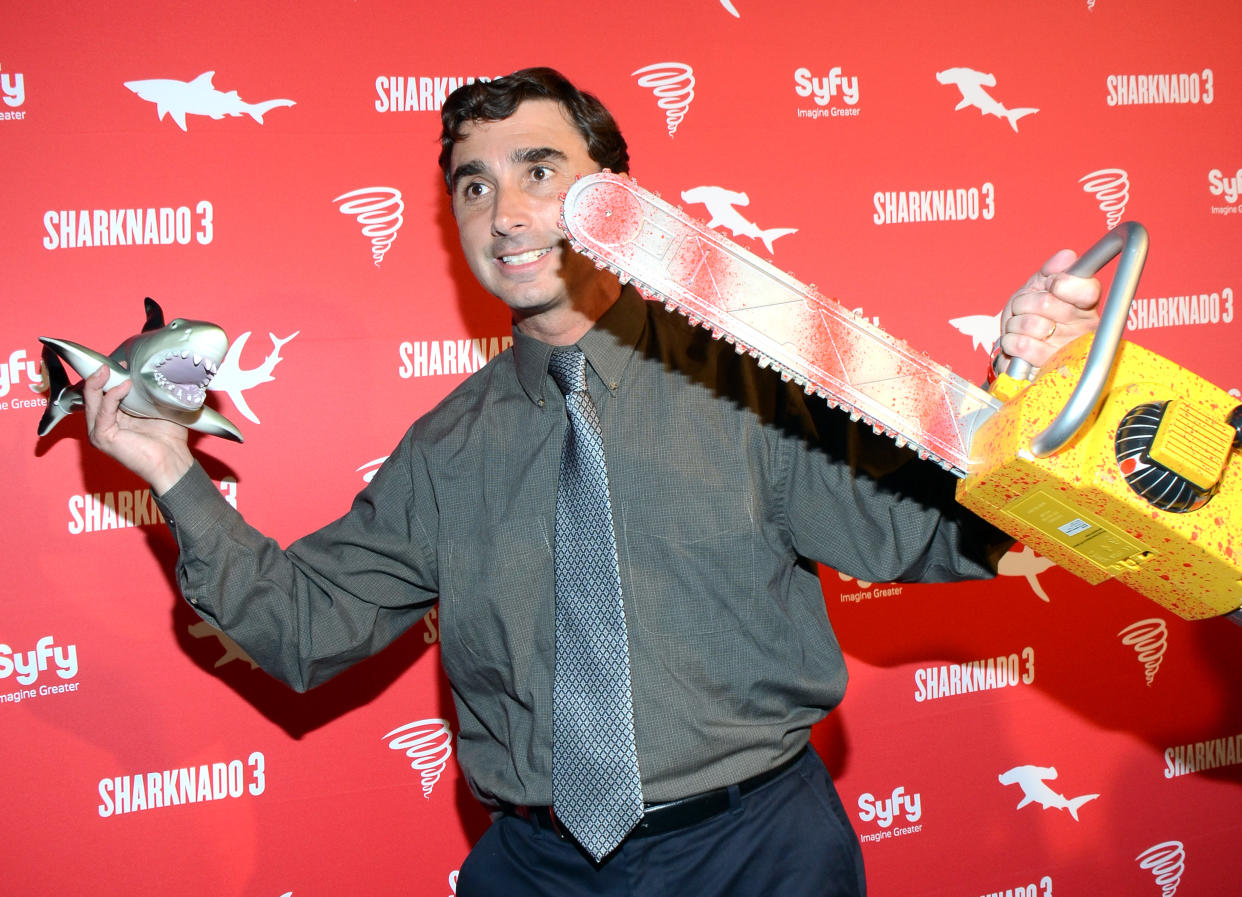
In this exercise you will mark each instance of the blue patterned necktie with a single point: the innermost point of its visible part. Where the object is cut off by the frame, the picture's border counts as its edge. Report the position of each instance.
(596, 793)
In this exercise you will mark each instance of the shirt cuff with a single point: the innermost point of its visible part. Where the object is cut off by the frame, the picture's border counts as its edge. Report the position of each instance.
(193, 506)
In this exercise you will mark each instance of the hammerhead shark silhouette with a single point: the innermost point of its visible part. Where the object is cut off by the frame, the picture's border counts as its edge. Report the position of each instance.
(720, 205)
(1031, 780)
(971, 84)
(198, 97)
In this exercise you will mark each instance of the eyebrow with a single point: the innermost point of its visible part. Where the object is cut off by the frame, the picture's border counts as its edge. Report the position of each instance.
(524, 155)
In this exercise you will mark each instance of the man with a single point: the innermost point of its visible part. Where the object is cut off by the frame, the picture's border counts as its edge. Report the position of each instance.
(722, 485)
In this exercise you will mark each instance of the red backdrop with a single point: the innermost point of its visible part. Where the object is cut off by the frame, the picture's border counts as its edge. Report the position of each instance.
(143, 754)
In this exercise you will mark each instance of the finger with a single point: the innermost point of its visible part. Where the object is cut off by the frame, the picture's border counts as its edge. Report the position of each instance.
(1080, 292)
(102, 418)
(92, 390)
(1060, 261)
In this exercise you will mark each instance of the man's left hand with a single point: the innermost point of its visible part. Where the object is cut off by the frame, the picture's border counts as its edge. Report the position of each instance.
(1051, 310)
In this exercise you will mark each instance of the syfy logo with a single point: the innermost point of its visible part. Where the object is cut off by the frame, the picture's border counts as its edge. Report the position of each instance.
(1229, 187)
(899, 803)
(27, 666)
(13, 87)
(11, 373)
(825, 89)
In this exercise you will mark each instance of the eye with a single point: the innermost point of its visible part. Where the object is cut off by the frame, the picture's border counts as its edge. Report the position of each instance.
(541, 172)
(474, 190)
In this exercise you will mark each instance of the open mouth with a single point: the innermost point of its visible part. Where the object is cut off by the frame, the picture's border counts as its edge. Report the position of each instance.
(525, 258)
(183, 376)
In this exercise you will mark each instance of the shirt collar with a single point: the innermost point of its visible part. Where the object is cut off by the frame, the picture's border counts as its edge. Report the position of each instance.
(608, 347)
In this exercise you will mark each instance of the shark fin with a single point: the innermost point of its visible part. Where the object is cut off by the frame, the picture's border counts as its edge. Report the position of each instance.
(155, 315)
(1014, 114)
(771, 235)
(57, 381)
(179, 117)
(213, 423)
(86, 361)
(204, 80)
(1075, 803)
(258, 110)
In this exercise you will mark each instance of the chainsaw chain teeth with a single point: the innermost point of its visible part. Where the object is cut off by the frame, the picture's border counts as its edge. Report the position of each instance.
(856, 415)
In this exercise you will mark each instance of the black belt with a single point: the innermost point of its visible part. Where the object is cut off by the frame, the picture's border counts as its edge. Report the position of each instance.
(661, 818)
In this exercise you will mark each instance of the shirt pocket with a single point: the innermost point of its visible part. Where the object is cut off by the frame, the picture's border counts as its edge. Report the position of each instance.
(690, 559)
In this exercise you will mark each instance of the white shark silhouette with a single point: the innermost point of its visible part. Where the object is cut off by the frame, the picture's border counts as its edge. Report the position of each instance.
(233, 381)
(198, 97)
(982, 329)
(720, 203)
(731, 8)
(971, 84)
(1031, 780)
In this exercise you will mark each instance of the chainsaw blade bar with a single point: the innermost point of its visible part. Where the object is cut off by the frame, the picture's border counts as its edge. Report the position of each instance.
(815, 341)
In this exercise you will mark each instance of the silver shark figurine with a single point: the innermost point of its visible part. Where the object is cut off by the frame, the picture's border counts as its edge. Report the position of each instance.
(198, 97)
(169, 366)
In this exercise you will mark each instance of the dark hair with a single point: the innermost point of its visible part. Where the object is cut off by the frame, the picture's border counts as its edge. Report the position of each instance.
(498, 99)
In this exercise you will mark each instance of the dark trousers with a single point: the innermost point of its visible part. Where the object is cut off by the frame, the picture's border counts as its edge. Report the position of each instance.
(790, 838)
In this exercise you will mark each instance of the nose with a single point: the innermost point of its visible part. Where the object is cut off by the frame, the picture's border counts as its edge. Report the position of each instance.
(511, 212)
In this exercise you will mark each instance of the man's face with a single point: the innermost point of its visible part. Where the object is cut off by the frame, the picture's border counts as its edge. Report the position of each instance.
(508, 177)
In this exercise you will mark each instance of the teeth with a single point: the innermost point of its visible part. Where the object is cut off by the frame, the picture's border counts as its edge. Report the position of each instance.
(523, 258)
(198, 359)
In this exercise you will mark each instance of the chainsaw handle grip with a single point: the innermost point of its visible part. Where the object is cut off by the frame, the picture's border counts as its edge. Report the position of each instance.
(1129, 240)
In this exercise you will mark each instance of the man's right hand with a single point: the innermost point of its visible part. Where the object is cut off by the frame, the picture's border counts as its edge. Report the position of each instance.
(154, 449)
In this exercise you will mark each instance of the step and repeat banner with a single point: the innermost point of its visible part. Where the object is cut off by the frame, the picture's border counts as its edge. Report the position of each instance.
(272, 168)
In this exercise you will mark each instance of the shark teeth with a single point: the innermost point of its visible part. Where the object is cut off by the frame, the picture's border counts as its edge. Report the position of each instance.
(184, 376)
(190, 394)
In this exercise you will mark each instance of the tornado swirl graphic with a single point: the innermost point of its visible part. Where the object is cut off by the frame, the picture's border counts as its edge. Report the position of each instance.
(378, 210)
(429, 744)
(1150, 639)
(673, 85)
(1167, 862)
(1111, 189)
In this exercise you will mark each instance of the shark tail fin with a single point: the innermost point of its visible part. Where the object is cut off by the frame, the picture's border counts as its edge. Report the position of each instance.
(1078, 802)
(770, 236)
(258, 110)
(1014, 114)
(57, 381)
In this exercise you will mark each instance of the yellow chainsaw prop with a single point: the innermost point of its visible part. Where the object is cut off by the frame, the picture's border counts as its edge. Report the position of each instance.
(1113, 462)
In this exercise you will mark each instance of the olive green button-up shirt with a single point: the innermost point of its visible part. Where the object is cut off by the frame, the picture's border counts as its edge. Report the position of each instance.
(725, 484)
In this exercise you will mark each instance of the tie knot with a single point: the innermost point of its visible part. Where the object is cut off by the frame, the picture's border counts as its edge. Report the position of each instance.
(568, 369)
